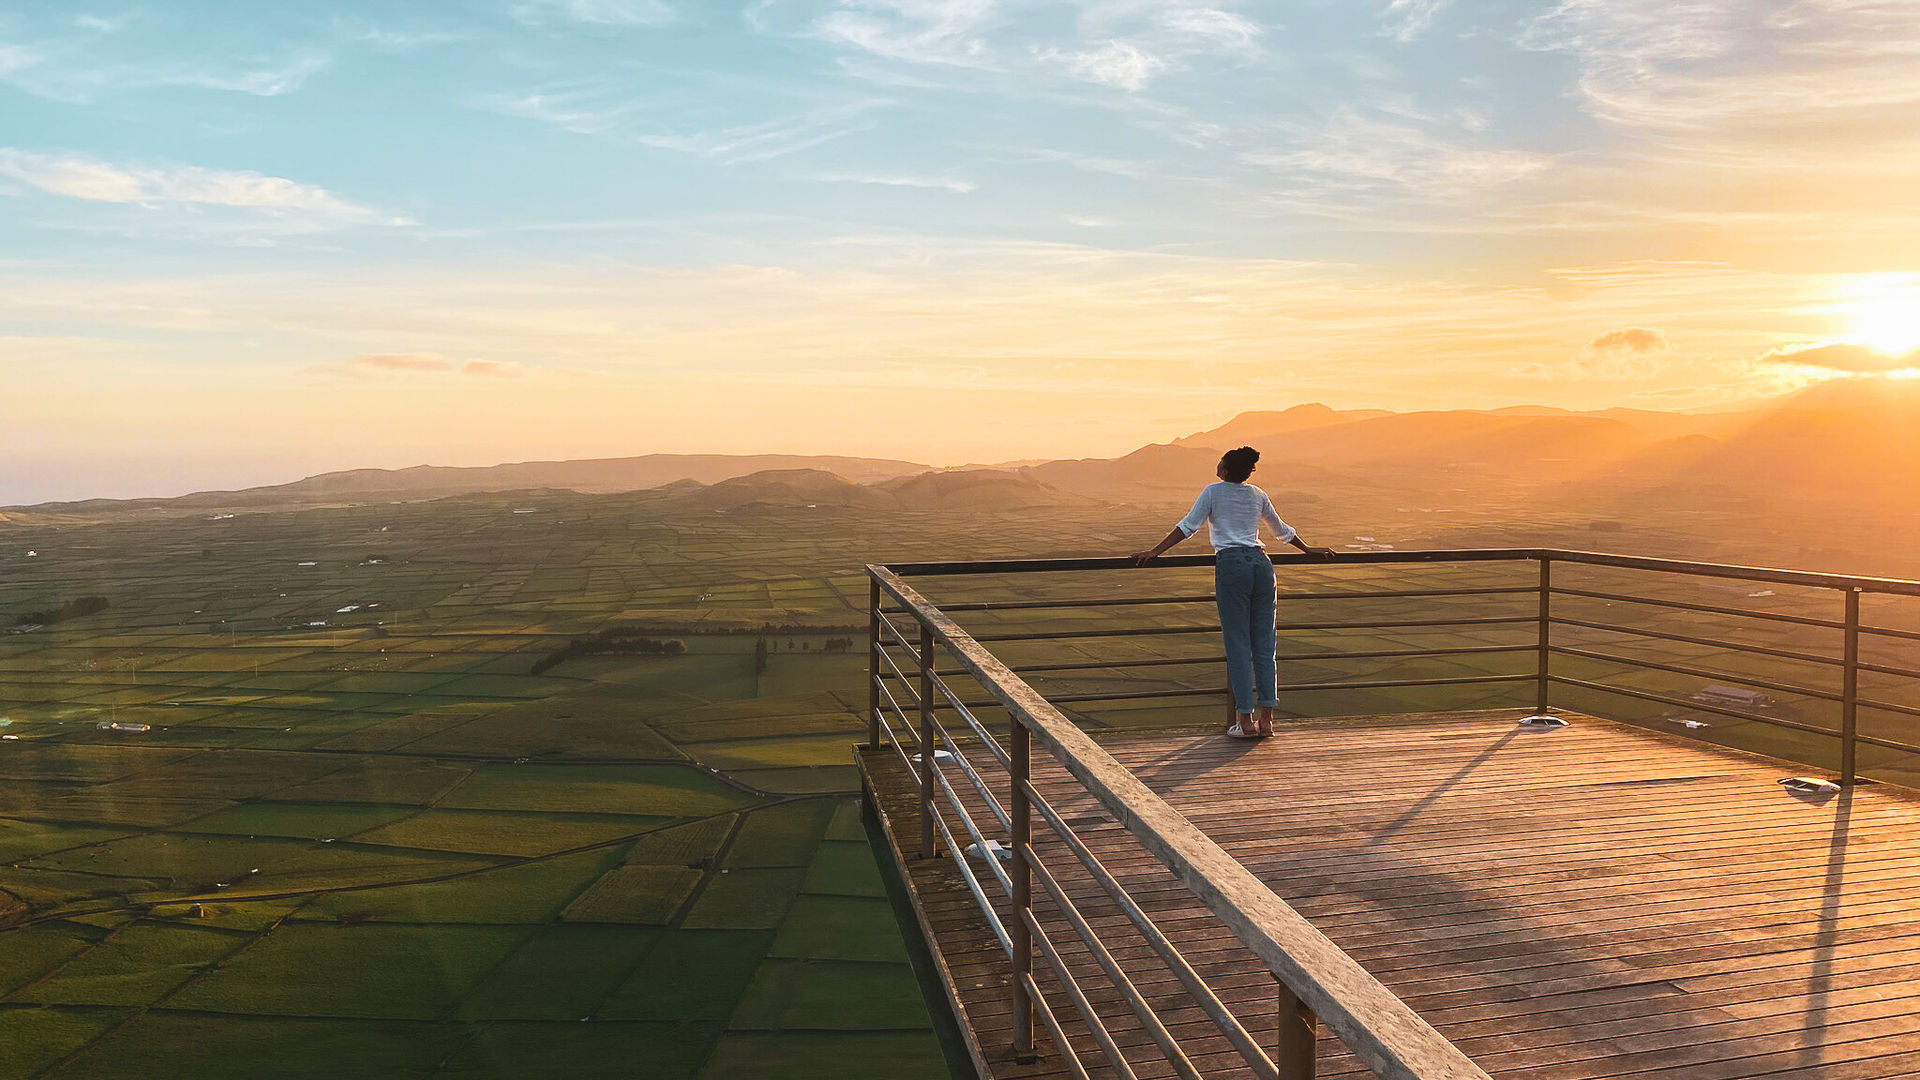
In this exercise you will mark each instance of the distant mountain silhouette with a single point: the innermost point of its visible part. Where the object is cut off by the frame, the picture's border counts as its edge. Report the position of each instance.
(1160, 466)
(591, 476)
(1853, 439)
(982, 489)
(1253, 428)
(788, 487)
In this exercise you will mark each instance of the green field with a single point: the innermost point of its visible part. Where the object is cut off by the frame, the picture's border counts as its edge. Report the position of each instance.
(382, 847)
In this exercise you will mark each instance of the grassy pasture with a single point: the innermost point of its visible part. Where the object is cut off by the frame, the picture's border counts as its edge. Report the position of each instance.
(369, 971)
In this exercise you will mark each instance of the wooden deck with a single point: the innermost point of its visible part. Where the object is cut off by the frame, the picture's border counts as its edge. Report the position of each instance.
(1597, 901)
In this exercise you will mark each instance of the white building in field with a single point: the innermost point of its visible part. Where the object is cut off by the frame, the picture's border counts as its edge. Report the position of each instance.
(1732, 695)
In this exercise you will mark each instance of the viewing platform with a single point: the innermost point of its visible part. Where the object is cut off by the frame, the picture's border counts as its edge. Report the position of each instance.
(1417, 894)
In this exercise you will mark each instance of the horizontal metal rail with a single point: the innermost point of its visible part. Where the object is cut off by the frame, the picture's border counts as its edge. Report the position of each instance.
(892, 740)
(1699, 673)
(1888, 631)
(1060, 1037)
(1282, 658)
(973, 885)
(1904, 710)
(994, 749)
(1125, 631)
(1391, 624)
(1169, 954)
(1285, 688)
(887, 624)
(1282, 627)
(1109, 1046)
(1682, 605)
(966, 767)
(1102, 601)
(1776, 721)
(893, 672)
(972, 829)
(1698, 706)
(1710, 643)
(1888, 669)
(1156, 1028)
(1142, 601)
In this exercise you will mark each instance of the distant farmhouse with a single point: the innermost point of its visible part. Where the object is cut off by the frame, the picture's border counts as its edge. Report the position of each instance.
(1732, 695)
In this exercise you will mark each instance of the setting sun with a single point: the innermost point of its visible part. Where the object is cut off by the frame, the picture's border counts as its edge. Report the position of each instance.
(1886, 317)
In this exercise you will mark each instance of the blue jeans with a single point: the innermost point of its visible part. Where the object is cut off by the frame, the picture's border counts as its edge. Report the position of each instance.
(1243, 589)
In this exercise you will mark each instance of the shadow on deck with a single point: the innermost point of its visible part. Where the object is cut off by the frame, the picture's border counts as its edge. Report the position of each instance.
(1588, 902)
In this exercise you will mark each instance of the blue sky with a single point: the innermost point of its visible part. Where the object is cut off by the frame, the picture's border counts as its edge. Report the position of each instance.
(377, 234)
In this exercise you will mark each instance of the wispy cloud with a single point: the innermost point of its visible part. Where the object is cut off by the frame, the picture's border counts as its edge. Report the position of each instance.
(493, 369)
(1733, 69)
(399, 39)
(581, 110)
(103, 24)
(1212, 29)
(1843, 357)
(1118, 64)
(1636, 339)
(388, 365)
(747, 143)
(1124, 44)
(596, 12)
(940, 183)
(1405, 20)
(76, 176)
(1359, 163)
(67, 72)
(416, 361)
(946, 32)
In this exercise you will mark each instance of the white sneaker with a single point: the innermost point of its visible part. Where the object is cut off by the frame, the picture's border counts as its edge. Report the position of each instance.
(1234, 732)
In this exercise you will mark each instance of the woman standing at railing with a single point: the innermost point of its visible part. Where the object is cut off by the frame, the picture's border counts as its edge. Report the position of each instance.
(1242, 582)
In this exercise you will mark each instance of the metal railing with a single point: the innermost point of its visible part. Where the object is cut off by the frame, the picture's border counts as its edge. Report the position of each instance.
(966, 805)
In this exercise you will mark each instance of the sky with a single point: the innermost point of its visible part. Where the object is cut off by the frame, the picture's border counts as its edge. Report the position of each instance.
(245, 242)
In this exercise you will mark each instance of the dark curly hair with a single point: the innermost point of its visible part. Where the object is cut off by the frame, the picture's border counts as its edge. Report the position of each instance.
(1239, 463)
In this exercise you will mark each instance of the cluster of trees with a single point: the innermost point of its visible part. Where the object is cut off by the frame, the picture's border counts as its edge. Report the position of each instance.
(72, 609)
(613, 641)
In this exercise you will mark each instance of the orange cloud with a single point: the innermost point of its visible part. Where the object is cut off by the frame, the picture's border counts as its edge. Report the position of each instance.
(1842, 356)
(493, 368)
(416, 361)
(1630, 339)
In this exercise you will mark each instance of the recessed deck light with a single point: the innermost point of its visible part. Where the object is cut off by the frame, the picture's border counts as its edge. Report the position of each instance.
(1809, 785)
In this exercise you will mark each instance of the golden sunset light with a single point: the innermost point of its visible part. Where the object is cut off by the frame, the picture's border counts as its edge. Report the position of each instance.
(959, 539)
(1886, 315)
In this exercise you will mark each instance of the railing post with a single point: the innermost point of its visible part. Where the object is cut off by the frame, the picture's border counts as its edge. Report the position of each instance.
(1850, 692)
(928, 743)
(873, 663)
(1296, 1053)
(1542, 670)
(1020, 821)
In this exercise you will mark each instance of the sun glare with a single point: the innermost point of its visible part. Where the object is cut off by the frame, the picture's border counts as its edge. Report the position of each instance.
(1886, 315)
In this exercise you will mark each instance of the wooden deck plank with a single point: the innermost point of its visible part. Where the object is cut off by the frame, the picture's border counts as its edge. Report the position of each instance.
(1597, 902)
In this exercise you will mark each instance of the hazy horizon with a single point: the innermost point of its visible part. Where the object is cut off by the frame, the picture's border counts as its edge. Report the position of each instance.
(164, 479)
